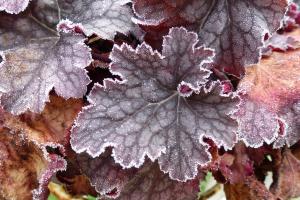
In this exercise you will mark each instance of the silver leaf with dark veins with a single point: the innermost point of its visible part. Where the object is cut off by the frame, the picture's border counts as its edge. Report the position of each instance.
(102, 17)
(234, 28)
(36, 59)
(148, 114)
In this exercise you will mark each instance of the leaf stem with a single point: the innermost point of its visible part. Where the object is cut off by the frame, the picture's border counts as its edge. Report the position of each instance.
(58, 10)
(43, 25)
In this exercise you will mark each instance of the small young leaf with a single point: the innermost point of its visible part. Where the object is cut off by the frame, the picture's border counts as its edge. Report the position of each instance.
(52, 197)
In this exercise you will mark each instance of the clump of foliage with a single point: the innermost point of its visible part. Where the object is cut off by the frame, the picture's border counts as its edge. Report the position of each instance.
(139, 99)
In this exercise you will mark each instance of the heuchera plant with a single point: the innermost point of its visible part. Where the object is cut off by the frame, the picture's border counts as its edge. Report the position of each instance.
(138, 99)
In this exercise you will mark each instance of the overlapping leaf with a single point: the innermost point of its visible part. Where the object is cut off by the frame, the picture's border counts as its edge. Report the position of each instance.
(151, 183)
(162, 108)
(37, 59)
(146, 183)
(272, 95)
(234, 28)
(286, 181)
(49, 127)
(13, 6)
(251, 188)
(26, 138)
(103, 17)
(280, 42)
(108, 177)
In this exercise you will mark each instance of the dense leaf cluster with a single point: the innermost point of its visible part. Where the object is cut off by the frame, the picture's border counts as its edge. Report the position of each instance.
(142, 97)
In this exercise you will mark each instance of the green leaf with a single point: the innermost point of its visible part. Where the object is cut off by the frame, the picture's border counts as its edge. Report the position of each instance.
(204, 183)
(89, 197)
(52, 197)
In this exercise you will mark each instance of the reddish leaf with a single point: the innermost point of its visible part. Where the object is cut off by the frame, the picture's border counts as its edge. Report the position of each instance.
(251, 189)
(287, 177)
(273, 88)
(148, 182)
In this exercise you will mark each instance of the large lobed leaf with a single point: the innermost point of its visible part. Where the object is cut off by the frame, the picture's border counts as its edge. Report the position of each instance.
(44, 57)
(234, 28)
(37, 59)
(162, 108)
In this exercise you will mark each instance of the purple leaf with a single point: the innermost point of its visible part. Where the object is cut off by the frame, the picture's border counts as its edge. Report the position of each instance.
(151, 183)
(149, 115)
(103, 17)
(46, 11)
(13, 6)
(148, 182)
(104, 173)
(234, 28)
(42, 59)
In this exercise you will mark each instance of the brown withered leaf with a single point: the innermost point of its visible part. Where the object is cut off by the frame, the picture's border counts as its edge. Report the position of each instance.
(25, 168)
(286, 183)
(20, 166)
(50, 126)
(23, 141)
(250, 189)
(272, 91)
